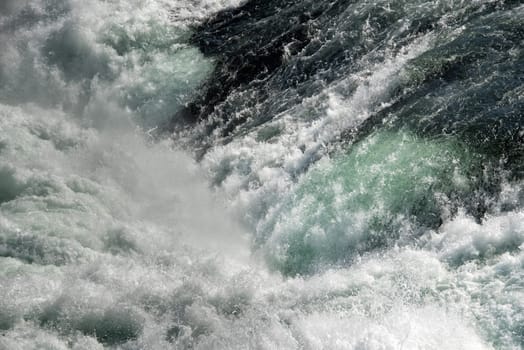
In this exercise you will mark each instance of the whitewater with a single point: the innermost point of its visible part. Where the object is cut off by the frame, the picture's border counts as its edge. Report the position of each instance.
(228, 174)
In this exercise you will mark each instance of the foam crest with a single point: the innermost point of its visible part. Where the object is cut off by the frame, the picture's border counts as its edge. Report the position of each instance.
(254, 168)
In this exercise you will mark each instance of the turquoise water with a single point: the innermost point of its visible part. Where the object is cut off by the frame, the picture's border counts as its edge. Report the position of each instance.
(386, 191)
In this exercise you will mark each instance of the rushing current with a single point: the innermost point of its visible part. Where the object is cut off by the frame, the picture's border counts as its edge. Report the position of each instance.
(261, 174)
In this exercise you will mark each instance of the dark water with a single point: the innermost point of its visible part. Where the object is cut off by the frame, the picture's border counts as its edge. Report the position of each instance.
(464, 89)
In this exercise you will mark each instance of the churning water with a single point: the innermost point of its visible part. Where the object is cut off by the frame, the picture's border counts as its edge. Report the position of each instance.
(261, 174)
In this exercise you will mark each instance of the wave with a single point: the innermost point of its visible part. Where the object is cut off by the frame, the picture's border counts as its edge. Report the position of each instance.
(261, 174)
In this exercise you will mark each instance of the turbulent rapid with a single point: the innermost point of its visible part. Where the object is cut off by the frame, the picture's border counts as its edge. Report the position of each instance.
(261, 174)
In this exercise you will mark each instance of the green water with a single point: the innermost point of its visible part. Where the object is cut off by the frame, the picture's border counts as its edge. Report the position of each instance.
(387, 189)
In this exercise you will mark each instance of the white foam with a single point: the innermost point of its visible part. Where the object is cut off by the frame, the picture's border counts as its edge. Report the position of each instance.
(95, 217)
